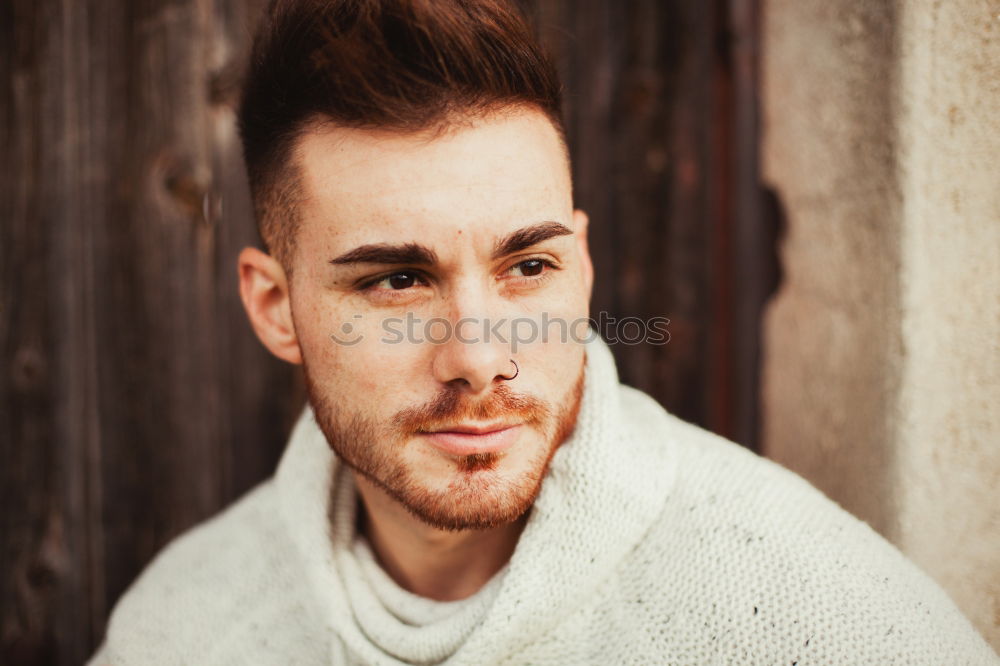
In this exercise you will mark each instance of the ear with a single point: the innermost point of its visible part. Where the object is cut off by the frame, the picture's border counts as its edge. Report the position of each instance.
(580, 221)
(264, 290)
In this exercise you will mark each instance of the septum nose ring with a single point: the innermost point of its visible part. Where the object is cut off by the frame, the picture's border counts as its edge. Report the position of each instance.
(517, 371)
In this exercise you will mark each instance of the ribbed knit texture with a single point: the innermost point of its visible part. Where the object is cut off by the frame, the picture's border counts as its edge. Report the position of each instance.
(652, 541)
(411, 628)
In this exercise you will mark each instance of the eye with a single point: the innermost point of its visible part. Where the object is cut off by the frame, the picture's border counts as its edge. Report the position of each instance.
(396, 281)
(530, 268)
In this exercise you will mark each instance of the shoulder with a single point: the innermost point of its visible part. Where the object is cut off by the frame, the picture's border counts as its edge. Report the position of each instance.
(209, 590)
(760, 558)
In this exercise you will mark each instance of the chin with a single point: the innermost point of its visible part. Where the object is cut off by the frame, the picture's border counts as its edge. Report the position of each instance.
(478, 492)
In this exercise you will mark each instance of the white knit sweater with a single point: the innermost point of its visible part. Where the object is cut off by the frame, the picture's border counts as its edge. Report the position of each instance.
(652, 541)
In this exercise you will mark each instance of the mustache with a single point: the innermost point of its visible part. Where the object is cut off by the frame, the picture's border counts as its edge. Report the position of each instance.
(451, 405)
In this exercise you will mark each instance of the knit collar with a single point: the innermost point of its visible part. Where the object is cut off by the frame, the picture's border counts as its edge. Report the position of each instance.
(600, 496)
(386, 614)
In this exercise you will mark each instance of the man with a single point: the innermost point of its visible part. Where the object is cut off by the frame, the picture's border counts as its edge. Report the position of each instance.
(459, 491)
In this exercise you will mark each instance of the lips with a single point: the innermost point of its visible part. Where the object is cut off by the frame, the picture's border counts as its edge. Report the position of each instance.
(471, 439)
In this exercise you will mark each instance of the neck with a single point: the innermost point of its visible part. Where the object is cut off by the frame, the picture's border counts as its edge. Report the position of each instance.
(438, 564)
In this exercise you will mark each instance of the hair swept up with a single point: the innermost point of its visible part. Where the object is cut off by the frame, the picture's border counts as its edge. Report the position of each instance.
(404, 65)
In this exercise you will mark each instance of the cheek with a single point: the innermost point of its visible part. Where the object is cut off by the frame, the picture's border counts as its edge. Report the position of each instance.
(561, 360)
(332, 343)
(367, 372)
(360, 359)
(551, 330)
(549, 368)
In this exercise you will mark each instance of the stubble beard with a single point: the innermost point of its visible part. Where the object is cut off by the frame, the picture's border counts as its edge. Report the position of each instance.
(480, 497)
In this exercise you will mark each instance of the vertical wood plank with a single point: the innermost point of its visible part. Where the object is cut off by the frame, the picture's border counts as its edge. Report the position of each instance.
(639, 96)
(131, 409)
(28, 569)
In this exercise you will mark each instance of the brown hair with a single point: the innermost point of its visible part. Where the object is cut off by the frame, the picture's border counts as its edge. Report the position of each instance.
(405, 65)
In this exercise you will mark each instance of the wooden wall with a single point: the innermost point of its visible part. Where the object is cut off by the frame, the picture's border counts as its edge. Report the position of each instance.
(136, 401)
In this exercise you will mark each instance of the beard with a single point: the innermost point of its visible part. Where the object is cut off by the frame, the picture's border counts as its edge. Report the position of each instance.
(480, 495)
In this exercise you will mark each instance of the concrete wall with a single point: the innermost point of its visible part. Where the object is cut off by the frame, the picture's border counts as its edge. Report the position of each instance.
(882, 352)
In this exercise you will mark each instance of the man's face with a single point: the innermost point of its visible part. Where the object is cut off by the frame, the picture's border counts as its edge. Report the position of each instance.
(419, 259)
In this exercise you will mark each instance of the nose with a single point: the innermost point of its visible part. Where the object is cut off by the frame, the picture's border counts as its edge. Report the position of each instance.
(474, 356)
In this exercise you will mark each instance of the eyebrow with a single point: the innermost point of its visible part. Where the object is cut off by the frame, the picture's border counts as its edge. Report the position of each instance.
(528, 236)
(414, 253)
(385, 253)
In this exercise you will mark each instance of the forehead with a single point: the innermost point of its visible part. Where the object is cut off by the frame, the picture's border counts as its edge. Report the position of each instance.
(495, 174)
